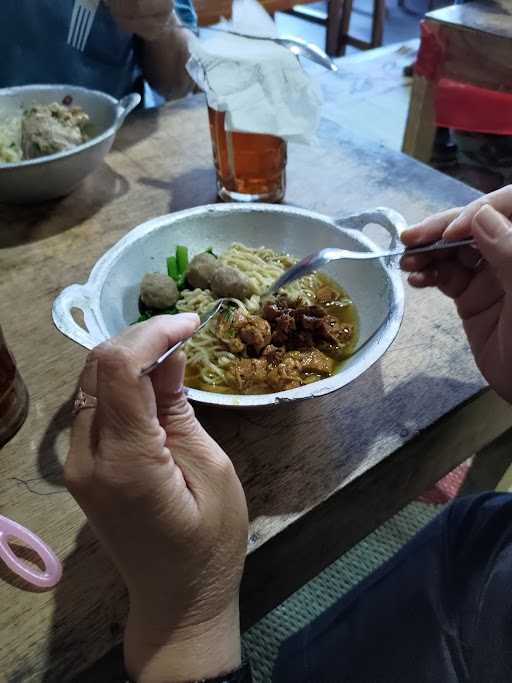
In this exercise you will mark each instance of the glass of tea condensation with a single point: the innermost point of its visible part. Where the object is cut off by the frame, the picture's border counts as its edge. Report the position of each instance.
(13, 395)
(250, 167)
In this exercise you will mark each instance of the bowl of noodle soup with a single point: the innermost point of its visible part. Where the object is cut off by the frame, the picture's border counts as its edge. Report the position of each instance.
(260, 241)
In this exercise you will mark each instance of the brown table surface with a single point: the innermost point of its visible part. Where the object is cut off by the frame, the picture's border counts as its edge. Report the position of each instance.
(318, 475)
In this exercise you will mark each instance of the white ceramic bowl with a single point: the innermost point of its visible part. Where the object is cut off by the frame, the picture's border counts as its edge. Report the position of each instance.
(109, 299)
(56, 175)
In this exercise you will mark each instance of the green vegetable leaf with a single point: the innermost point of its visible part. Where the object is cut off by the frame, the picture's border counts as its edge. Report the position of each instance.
(167, 311)
(182, 259)
(172, 268)
(142, 317)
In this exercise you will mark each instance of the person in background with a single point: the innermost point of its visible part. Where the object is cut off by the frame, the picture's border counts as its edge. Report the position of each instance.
(165, 501)
(129, 41)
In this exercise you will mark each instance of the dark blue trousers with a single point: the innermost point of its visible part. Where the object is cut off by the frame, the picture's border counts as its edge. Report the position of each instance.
(440, 611)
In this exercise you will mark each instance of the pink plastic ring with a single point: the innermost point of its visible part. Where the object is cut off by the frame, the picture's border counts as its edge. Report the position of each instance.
(10, 530)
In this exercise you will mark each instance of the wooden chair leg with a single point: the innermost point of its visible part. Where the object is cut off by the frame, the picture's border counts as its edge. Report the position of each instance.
(344, 27)
(335, 10)
(379, 17)
(420, 130)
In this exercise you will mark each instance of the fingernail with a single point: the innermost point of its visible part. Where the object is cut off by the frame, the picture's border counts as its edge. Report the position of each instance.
(489, 221)
(191, 316)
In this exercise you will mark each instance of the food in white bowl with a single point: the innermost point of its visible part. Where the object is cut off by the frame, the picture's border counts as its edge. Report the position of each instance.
(53, 136)
(109, 299)
(41, 130)
(265, 344)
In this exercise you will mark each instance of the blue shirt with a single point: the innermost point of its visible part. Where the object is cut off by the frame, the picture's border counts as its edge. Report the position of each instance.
(34, 47)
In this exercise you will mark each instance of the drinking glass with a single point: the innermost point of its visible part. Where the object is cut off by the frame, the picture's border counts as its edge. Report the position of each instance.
(250, 167)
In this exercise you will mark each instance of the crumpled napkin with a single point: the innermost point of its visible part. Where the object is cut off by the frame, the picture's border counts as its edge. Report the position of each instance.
(260, 85)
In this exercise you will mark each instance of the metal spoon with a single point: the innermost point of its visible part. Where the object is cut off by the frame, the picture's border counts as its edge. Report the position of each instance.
(204, 320)
(321, 258)
(299, 47)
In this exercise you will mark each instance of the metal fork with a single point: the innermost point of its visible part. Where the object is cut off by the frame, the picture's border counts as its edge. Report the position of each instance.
(299, 47)
(82, 19)
(204, 320)
(321, 258)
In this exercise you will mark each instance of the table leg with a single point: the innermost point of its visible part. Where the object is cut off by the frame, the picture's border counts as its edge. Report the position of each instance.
(421, 121)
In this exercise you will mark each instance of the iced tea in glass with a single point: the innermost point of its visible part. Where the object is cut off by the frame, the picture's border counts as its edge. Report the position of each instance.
(250, 167)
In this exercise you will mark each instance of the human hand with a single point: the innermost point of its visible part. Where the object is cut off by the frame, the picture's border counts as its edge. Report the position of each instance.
(478, 280)
(149, 19)
(166, 503)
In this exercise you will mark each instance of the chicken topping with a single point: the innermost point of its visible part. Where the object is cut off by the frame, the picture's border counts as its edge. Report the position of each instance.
(227, 330)
(255, 332)
(279, 371)
(247, 373)
(285, 375)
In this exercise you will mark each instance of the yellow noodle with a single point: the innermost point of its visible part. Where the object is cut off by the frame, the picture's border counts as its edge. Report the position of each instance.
(206, 354)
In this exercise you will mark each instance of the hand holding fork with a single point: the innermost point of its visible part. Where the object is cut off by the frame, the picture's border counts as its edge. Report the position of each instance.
(149, 19)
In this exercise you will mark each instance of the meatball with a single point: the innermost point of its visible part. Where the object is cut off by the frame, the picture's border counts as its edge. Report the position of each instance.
(158, 290)
(200, 270)
(227, 281)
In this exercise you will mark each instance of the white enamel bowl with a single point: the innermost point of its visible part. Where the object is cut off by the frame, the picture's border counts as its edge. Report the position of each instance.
(56, 175)
(109, 298)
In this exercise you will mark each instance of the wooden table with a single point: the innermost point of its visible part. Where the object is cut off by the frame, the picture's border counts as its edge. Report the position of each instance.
(318, 475)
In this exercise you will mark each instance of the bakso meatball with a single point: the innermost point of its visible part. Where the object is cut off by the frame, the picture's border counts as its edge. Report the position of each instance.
(200, 270)
(158, 290)
(230, 282)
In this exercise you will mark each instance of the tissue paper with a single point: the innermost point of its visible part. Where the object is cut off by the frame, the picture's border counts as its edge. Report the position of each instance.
(259, 84)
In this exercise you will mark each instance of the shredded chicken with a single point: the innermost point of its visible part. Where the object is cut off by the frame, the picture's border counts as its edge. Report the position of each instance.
(284, 346)
(248, 373)
(227, 331)
(255, 332)
(279, 371)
